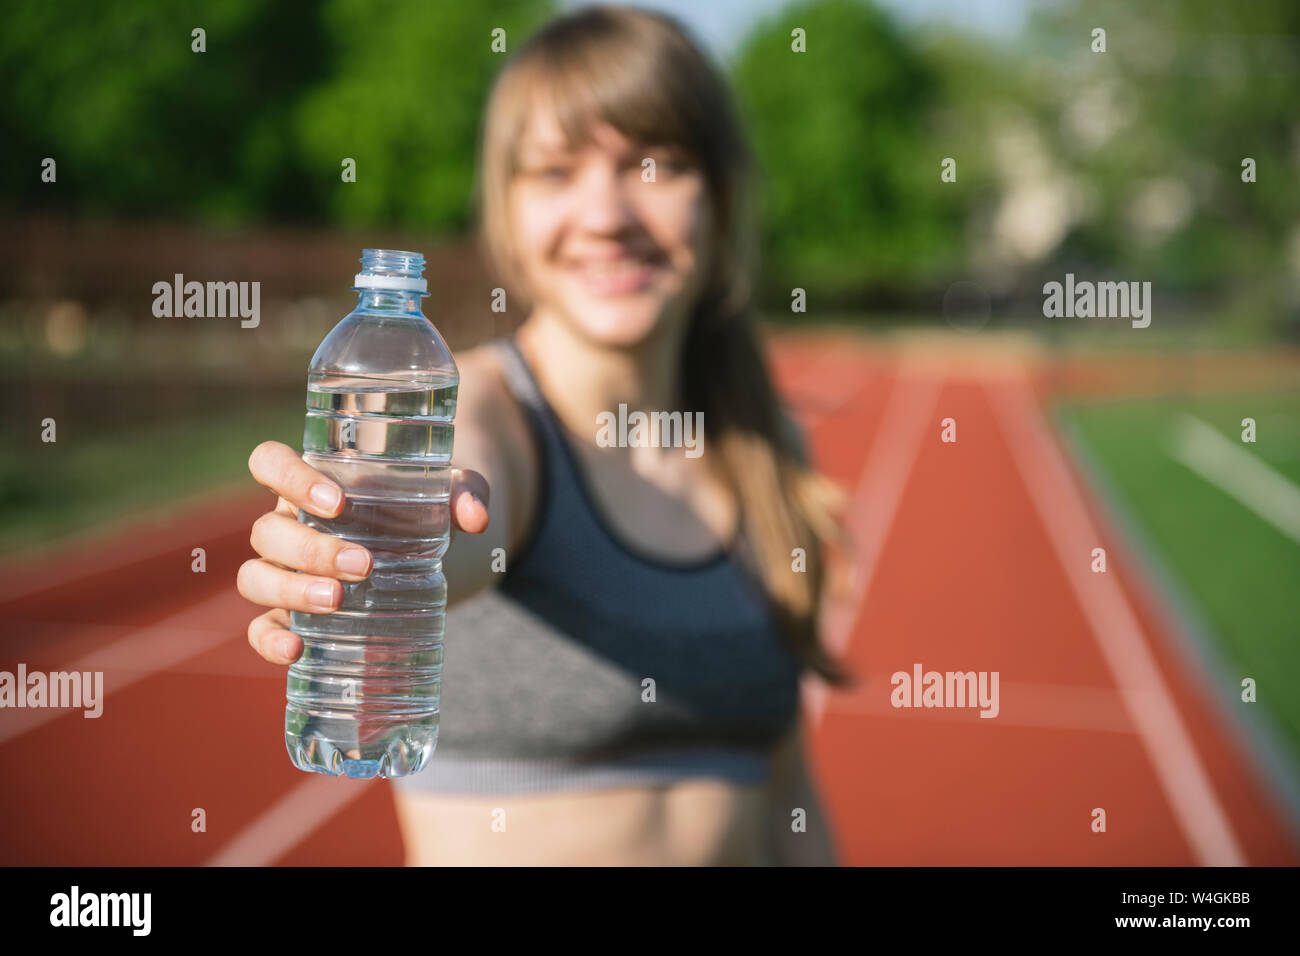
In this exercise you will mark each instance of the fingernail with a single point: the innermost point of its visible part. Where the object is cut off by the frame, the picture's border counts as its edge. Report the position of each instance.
(321, 594)
(284, 646)
(352, 560)
(325, 496)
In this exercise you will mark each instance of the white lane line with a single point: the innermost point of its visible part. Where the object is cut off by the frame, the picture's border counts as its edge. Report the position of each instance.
(910, 407)
(289, 821)
(806, 374)
(130, 539)
(1236, 472)
(1123, 645)
(165, 646)
(807, 391)
(140, 655)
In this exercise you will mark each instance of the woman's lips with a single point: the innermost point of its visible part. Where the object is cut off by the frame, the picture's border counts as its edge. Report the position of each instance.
(614, 276)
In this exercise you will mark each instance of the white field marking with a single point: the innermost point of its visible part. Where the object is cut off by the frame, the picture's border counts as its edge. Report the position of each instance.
(1236, 472)
(908, 410)
(1059, 706)
(1123, 645)
(288, 821)
(140, 654)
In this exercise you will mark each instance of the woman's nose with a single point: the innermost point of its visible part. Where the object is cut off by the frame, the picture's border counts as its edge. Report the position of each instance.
(603, 203)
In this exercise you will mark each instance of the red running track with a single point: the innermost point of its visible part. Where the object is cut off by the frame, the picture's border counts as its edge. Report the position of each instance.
(973, 555)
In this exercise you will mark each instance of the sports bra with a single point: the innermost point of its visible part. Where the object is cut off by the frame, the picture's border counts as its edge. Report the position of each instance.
(589, 665)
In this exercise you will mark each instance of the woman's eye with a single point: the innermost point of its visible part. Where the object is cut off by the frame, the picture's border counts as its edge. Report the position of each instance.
(551, 173)
(667, 163)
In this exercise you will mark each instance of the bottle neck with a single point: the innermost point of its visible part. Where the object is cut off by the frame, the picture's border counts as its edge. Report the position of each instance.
(384, 300)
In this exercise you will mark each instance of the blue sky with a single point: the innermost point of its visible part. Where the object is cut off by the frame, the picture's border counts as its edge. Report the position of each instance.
(721, 23)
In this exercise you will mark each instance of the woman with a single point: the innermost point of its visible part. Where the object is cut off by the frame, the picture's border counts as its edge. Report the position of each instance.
(625, 690)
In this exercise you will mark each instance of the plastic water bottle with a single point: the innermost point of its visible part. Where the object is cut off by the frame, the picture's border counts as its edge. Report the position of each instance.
(362, 701)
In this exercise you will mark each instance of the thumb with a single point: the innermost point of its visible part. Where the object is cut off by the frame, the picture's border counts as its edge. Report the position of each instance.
(469, 501)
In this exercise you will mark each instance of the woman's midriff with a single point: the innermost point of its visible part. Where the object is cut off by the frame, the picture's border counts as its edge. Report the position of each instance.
(692, 823)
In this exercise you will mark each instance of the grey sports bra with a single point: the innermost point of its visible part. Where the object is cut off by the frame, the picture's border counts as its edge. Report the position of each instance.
(589, 665)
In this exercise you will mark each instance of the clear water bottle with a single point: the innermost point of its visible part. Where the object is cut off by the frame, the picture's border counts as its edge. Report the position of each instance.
(362, 700)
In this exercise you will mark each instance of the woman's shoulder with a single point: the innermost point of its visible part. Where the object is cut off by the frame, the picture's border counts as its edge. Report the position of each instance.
(486, 404)
(484, 395)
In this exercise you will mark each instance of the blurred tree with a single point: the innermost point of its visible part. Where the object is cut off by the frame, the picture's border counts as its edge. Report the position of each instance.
(257, 126)
(408, 83)
(139, 123)
(854, 204)
(1158, 127)
(1125, 163)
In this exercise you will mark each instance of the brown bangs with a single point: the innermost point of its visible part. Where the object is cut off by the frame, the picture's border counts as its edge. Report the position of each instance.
(645, 83)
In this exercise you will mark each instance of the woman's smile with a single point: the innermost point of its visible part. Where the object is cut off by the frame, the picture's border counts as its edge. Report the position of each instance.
(615, 274)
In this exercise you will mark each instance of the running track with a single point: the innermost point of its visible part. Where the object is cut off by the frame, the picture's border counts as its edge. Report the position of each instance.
(967, 556)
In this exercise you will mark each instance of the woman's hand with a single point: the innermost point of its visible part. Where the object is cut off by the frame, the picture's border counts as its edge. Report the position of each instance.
(287, 546)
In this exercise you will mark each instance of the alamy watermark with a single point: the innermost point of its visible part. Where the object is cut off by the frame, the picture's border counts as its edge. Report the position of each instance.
(211, 300)
(1102, 300)
(946, 689)
(639, 429)
(84, 689)
(75, 908)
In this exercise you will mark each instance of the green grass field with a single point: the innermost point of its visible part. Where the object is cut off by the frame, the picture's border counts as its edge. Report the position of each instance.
(1238, 570)
(52, 490)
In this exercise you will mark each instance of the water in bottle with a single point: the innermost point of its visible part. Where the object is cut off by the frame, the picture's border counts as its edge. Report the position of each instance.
(362, 700)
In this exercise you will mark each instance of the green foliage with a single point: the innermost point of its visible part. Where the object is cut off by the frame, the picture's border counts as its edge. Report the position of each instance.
(853, 198)
(256, 127)
(850, 135)
(140, 124)
(406, 89)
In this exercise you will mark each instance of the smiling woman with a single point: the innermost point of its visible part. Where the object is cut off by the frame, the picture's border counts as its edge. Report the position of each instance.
(612, 283)
(624, 688)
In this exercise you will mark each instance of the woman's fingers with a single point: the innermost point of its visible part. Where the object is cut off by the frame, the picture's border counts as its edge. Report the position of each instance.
(469, 501)
(263, 583)
(278, 467)
(270, 636)
(281, 469)
(281, 539)
(285, 540)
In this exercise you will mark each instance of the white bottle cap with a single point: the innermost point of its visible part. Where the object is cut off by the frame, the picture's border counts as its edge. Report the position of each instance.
(396, 283)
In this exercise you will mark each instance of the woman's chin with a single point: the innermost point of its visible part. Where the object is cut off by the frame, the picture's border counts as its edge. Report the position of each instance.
(614, 324)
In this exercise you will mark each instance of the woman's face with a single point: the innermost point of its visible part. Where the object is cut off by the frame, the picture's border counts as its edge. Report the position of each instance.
(612, 255)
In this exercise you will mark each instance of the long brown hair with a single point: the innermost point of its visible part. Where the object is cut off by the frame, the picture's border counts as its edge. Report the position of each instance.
(640, 73)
